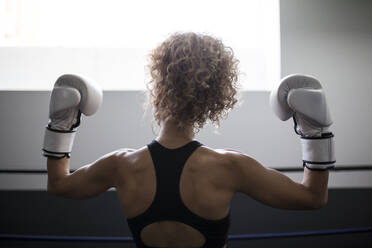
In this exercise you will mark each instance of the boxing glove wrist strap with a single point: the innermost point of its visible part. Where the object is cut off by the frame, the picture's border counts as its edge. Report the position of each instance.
(58, 144)
(318, 152)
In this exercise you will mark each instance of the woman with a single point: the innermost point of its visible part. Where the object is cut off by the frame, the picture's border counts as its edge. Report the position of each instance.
(175, 191)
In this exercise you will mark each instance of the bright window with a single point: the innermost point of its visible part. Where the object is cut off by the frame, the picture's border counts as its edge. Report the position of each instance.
(109, 40)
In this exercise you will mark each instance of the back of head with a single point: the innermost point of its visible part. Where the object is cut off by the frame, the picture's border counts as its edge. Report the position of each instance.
(194, 78)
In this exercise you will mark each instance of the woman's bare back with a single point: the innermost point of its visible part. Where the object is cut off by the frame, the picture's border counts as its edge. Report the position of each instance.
(204, 190)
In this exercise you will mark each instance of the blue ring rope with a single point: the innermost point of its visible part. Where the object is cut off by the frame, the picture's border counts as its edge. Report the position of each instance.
(230, 237)
(299, 234)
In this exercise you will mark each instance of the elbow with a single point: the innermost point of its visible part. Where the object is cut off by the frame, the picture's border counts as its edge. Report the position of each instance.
(55, 189)
(319, 202)
(52, 189)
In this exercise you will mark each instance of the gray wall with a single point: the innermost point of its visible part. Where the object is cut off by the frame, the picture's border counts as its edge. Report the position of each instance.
(331, 40)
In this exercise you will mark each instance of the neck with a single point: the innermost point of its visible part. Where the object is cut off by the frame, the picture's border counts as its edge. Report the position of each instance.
(172, 136)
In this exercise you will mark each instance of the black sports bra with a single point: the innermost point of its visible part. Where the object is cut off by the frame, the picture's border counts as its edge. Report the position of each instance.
(167, 204)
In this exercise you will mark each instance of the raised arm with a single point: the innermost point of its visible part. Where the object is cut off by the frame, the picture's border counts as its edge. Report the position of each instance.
(85, 182)
(275, 189)
(72, 96)
(302, 98)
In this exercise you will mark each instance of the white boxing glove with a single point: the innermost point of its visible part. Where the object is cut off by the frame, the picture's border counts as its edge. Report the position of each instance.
(302, 97)
(71, 96)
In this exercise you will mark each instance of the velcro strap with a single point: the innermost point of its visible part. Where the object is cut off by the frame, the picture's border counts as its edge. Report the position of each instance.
(58, 142)
(318, 152)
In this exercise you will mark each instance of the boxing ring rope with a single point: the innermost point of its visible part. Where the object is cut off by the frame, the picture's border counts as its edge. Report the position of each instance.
(230, 237)
(282, 169)
(234, 237)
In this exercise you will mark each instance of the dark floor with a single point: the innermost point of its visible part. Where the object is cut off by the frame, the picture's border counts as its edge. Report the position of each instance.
(38, 213)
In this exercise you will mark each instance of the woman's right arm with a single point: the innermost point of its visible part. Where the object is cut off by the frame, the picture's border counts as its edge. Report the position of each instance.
(275, 189)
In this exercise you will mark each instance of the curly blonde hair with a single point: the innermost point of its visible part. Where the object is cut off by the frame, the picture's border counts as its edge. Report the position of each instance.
(194, 78)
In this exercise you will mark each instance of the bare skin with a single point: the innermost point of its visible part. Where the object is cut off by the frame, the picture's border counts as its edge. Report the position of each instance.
(208, 183)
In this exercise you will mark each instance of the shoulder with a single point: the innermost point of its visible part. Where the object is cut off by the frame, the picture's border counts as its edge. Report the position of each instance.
(237, 163)
(215, 156)
(226, 156)
(113, 160)
(228, 164)
(131, 159)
